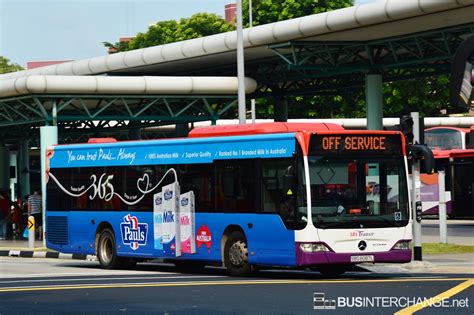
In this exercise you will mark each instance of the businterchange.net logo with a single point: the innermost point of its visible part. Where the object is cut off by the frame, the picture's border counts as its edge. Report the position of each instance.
(320, 302)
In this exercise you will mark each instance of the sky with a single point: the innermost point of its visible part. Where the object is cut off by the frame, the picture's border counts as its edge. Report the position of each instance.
(40, 30)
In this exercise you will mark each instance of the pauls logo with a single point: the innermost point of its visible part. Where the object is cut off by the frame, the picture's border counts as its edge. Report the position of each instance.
(134, 233)
(184, 201)
(360, 233)
(204, 236)
(168, 194)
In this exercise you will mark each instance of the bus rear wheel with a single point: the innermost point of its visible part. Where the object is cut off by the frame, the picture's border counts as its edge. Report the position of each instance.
(236, 255)
(106, 252)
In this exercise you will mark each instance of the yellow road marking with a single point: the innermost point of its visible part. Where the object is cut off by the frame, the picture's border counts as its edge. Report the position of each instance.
(207, 283)
(444, 295)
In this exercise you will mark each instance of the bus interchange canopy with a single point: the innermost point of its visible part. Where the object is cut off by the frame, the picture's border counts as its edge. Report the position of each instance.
(320, 53)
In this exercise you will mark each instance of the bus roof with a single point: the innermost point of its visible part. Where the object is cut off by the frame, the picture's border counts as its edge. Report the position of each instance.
(455, 153)
(262, 128)
(449, 128)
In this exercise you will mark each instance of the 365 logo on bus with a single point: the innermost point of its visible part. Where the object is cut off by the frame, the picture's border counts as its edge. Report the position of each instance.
(134, 233)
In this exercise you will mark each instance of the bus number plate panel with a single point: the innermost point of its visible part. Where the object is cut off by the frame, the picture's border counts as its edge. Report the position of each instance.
(362, 258)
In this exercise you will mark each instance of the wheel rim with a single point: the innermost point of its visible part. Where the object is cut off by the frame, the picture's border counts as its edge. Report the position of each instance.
(106, 249)
(238, 253)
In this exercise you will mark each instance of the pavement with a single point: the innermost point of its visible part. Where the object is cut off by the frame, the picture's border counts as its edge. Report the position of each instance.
(21, 248)
(460, 263)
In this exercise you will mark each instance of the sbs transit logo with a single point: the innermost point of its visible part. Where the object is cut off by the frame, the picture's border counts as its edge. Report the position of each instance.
(134, 233)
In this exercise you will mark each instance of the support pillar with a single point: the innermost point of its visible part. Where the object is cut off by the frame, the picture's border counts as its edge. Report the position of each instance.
(281, 109)
(23, 168)
(182, 130)
(4, 168)
(48, 137)
(135, 132)
(374, 101)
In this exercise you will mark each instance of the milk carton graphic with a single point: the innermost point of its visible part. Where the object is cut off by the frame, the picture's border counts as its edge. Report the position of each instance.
(187, 222)
(170, 225)
(158, 221)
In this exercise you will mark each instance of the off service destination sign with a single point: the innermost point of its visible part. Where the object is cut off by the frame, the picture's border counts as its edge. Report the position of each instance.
(386, 144)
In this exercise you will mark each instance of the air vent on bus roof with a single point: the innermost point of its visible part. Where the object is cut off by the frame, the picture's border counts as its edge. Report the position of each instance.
(101, 140)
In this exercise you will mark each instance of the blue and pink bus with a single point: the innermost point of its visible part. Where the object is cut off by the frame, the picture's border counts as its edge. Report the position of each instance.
(248, 196)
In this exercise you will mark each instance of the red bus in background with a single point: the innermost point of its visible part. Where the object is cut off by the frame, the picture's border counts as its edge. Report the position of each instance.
(453, 151)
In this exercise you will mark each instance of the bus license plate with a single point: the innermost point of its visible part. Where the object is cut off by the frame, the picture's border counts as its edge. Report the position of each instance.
(362, 258)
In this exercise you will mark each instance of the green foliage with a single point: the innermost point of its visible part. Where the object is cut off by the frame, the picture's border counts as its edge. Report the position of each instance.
(164, 32)
(269, 11)
(440, 248)
(426, 95)
(6, 66)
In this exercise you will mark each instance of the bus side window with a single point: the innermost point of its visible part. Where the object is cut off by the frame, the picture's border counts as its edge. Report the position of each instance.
(236, 188)
(198, 178)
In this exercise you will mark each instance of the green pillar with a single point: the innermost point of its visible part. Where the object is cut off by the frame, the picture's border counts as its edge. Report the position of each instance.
(281, 109)
(4, 168)
(182, 130)
(135, 132)
(374, 101)
(23, 168)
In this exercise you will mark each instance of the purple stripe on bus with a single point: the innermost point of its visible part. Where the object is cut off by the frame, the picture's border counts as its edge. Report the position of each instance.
(308, 259)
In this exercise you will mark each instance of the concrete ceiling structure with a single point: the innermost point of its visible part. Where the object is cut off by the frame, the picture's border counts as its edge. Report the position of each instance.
(321, 53)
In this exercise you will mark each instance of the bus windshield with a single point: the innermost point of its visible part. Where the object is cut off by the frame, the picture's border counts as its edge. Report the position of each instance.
(443, 139)
(358, 189)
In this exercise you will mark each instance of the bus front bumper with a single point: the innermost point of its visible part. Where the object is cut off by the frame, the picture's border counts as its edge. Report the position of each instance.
(329, 257)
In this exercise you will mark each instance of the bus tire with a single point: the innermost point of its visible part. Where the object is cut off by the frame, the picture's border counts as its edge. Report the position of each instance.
(106, 252)
(331, 271)
(236, 255)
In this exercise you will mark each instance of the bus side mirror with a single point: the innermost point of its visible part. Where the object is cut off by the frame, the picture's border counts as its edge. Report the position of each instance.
(421, 151)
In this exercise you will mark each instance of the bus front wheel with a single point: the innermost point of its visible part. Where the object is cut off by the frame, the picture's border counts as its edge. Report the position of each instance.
(106, 252)
(236, 255)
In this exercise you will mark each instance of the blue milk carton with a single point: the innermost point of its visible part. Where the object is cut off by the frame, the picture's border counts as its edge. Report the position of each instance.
(170, 225)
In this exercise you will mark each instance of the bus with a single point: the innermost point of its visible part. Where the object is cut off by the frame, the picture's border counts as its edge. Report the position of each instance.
(247, 196)
(458, 166)
(453, 151)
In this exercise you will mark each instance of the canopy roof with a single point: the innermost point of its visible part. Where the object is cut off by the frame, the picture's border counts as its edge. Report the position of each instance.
(374, 21)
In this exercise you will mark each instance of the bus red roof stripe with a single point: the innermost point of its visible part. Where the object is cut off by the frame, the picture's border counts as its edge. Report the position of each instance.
(252, 129)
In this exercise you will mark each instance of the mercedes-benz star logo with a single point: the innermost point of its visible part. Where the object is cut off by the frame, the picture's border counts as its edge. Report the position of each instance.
(362, 245)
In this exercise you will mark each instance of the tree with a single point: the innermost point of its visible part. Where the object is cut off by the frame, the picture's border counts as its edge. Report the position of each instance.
(164, 32)
(269, 11)
(6, 66)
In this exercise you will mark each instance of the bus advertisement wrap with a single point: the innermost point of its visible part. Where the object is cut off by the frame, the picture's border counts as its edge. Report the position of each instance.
(158, 221)
(348, 200)
(171, 227)
(187, 223)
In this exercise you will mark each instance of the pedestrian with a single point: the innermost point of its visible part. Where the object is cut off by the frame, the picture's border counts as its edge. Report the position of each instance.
(4, 214)
(35, 209)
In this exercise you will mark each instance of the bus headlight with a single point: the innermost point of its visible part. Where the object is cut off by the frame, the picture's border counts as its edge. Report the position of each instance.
(402, 245)
(313, 247)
